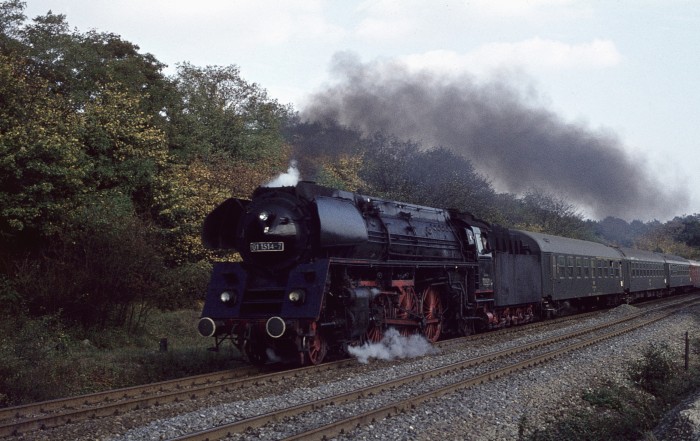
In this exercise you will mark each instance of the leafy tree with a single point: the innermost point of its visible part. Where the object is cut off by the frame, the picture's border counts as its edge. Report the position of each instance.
(221, 112)
(547, 213)
(125, 148)
(105, 270)
(343, 173)
(662, 238)
(78, 64)
(11, 18)
(185, 193)
(435, 177)
(444, 179)
(42, 165)
(690, 234)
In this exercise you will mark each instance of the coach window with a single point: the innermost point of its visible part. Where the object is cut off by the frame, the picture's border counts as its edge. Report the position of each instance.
(561, 266)
(570, 270)
(578, 267)
(586, 267)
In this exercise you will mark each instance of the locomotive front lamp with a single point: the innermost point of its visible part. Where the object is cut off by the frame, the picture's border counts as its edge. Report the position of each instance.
(227, 298)
(297, 296)
(263, 216)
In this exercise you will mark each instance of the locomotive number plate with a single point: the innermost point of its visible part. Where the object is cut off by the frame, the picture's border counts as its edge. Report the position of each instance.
(256, 247)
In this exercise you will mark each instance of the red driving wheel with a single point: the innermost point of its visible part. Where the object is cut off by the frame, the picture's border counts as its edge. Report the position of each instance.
(317, 345)
(432, 313)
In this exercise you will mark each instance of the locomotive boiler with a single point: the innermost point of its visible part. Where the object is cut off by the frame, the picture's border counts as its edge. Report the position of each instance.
(323, 269)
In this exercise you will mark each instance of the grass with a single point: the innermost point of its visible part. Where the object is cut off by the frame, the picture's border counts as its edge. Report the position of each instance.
(41, 359)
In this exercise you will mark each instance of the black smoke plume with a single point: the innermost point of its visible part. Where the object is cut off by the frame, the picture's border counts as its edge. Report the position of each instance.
(518, 146)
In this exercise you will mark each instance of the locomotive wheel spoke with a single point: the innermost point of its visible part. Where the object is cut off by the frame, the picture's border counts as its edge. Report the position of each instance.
(407, 331)
(374, 334)
(432, 314)
(406, 302)
(318, 347)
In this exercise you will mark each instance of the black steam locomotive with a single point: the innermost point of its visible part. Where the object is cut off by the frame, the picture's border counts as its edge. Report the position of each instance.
(323, 269)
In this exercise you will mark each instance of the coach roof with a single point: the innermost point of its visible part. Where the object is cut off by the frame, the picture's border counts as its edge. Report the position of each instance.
(546, 243)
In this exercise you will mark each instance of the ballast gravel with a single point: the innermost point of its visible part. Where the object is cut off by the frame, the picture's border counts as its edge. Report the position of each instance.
(505, 409)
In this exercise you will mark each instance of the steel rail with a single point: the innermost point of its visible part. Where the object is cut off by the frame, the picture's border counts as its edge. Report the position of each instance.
(347, 424)
(263, 419)
(34, 416)
(23, 419)
(132, 402)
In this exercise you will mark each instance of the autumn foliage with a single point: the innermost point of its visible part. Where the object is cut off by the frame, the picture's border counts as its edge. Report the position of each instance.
(108, 168)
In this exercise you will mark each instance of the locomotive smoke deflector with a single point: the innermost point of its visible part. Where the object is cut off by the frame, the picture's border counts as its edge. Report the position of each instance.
(219, 229)
(341, 223)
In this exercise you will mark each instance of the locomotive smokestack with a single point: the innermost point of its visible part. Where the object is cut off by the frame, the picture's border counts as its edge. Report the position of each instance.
(516, 145)
(289, 179)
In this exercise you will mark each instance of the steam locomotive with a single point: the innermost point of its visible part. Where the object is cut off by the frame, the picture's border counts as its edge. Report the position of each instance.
(323, 269)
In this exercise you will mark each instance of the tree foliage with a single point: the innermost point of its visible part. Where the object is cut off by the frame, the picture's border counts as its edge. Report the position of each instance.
(545, 212)
(108, 167)
(42, 165)
(221, 112)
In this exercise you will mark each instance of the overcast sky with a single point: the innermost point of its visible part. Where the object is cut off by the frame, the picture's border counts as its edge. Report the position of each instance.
(630, 69)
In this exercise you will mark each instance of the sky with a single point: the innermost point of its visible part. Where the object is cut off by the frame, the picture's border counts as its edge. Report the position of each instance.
(605, 76)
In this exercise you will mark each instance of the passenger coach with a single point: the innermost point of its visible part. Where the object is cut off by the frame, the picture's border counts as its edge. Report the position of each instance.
(559, 270)
(644, 273)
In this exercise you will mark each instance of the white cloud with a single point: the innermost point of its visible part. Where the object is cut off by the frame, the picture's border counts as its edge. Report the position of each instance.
(384, 29)
(535, 55)
(531, 9)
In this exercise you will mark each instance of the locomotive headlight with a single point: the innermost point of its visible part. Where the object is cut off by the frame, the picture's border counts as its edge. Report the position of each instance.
(228, 298)
(263, 216)
(297, 296)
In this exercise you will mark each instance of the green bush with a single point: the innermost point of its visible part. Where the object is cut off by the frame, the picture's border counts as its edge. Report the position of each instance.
(619, 413)
(42, 359)
(654, 370)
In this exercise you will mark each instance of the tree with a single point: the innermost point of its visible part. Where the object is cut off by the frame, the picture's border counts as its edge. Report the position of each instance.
(104, 271)
(78, 64)
(547, 213)
(221, 112)
(342, 173)
(690, 234)
(664, 238)
(42, 165)
(125, 148)
(11, 18)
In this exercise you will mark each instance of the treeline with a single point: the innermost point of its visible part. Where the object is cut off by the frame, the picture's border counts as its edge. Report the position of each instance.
(108, 167)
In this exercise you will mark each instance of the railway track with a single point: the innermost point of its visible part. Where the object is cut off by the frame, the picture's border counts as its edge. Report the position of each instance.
(453, 377)
(32, 417)
(55, 413)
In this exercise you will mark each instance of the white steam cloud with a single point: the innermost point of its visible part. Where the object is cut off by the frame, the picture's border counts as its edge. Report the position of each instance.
(289, 179)
(392, 346)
